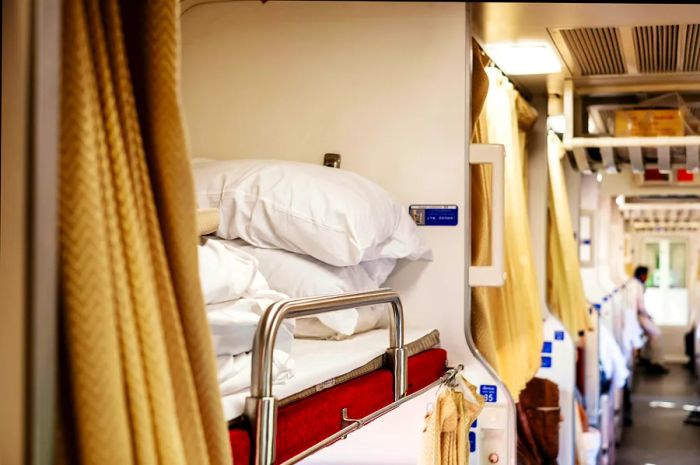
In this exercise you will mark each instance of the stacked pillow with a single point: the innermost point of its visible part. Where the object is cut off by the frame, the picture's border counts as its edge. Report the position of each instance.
(303, 276)
(313, 230)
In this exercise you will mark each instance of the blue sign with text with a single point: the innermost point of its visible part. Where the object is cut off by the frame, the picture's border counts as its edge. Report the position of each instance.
(434, 215)
(547, 347)
(489, 391)
(559, 335)
(546, 362)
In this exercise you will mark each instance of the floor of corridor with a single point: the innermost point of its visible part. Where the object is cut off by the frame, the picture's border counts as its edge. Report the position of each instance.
(658, 435)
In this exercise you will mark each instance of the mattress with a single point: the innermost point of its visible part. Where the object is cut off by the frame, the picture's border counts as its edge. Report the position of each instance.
(323, 364)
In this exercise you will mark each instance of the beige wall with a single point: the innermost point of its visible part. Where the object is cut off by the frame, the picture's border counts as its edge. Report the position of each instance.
(384, 84)
(15, 66)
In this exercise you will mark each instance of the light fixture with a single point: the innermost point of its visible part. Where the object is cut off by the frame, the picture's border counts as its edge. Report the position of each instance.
(620, 200)
(599, 177)
(520, 58)
(557, 123)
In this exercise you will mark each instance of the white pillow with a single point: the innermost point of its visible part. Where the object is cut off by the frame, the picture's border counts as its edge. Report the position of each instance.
(303, 276)
(334, 215)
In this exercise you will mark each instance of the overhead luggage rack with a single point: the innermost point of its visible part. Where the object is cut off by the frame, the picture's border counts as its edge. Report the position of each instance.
(681, 215)
(601, 151)
(608, 154)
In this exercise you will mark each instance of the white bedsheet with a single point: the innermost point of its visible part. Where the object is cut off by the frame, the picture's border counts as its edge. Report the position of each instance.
(612, 359)
(320, 360)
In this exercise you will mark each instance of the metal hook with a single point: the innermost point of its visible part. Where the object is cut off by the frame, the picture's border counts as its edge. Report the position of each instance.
(451, 376)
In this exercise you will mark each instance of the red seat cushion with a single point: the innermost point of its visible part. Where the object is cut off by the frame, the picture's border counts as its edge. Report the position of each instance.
(305, 422)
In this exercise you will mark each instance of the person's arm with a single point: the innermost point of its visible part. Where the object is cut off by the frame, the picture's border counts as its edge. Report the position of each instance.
(641, 307)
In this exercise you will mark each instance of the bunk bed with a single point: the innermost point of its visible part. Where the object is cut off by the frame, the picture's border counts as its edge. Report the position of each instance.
(316, 387)
(311, 418)
(283, 423)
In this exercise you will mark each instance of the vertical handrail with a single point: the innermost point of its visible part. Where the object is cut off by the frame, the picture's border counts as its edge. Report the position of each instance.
(261, 405)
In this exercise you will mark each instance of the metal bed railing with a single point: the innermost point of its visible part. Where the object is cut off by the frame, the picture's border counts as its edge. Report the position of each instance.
(350, 425)
(261, 406)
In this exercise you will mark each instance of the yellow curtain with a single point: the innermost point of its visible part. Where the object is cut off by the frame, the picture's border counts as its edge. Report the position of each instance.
(137, 365)
(565, 295)
(507, 321)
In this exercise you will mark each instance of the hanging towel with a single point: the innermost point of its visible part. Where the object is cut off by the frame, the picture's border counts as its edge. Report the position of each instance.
(446, 426)
(538, 421)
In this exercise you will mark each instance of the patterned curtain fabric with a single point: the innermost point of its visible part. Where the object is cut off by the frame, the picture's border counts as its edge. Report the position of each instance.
(507, 321)
(565, 295)
(137, 365)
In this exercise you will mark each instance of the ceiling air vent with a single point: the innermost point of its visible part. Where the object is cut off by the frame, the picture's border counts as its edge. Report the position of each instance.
(656, 48)
(691, 62)
(596, 50)
(642, 50)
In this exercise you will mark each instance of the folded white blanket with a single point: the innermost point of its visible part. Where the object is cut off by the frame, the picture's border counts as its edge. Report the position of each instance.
(237, 294)
(234, 371)
(233, 325)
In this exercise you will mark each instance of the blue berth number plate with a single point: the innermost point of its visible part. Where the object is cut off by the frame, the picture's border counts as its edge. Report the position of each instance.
(546, 362)
(434, 215)
(489, 391)
(547, 347)
(559, 335)
(472, 441)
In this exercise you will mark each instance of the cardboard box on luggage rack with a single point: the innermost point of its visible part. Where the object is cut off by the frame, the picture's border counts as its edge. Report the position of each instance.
(649, 123)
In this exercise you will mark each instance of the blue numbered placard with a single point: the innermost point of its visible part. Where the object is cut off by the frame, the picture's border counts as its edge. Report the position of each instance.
(489, 391)
(559, 335)
(472, 441)
(547, 347)
(474, 424)
(546, 362)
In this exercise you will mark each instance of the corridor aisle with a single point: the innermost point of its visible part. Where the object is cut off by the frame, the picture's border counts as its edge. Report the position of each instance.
(658, 435)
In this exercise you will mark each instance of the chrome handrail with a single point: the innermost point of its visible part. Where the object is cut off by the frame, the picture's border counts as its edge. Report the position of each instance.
(261, 405)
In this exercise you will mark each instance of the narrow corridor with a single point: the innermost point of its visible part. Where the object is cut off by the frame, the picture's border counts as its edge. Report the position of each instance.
(658, 435)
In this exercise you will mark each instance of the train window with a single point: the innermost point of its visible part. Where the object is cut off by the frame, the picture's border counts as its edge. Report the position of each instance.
(666, 297)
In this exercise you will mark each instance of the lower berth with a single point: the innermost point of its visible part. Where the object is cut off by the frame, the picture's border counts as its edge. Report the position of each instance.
(311, 403)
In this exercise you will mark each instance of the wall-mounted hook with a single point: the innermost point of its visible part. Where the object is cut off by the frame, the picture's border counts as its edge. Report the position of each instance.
(332, 160)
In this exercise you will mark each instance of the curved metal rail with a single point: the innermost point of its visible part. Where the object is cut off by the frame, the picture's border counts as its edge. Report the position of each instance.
(261, 406)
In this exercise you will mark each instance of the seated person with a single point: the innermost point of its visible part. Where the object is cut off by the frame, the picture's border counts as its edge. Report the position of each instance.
(653, 333)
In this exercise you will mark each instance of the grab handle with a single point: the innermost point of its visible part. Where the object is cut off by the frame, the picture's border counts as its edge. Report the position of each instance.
(492, 275)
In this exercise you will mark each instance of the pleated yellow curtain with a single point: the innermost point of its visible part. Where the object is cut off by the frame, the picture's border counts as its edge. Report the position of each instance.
(565, 295)
(137, 368)
(507, 321)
